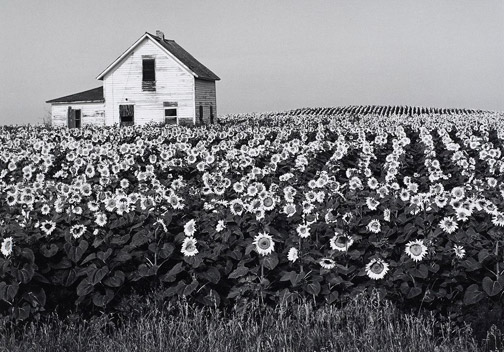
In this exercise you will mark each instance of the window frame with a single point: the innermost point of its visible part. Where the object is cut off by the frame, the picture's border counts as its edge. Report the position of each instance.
(121, 122)
(171, 106)
(79, 119)
(148, 76)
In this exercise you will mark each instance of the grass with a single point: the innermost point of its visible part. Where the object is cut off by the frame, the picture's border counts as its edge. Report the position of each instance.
(364, 324)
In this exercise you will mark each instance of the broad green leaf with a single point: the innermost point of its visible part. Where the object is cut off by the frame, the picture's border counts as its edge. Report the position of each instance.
(491, 287)
(85, 287)
(115, 280)
(287, 275)
(101, 300)
(414, 292)
(313, 288)
(190, 288)
(48, 250)
(238, 272)
(332, 297)
(212, 275)
(270, 261)
(473, 295)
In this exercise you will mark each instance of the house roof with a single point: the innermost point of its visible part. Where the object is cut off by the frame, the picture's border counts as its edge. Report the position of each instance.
(201, 71)
(91, 95)
(174, 50)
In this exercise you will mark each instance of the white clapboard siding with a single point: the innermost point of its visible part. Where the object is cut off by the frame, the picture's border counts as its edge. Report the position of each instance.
(123, 85)
(206, 97)
(91, 113)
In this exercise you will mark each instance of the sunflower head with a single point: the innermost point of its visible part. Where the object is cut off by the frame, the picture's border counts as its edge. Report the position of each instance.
(264, 243)
(416, 250)
(377, 269)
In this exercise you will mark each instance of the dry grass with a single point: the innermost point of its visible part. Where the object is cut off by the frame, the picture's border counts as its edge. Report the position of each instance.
(364, 324)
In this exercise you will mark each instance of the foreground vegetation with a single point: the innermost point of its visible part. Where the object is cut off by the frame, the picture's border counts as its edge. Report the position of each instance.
(365, 324)
(315, 206)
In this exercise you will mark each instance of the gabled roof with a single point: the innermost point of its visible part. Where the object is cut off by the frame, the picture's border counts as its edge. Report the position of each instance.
(196, 68)
(91, 95)
(201, 71)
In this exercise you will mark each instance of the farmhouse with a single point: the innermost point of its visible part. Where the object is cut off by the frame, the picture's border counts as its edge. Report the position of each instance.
(154, 80)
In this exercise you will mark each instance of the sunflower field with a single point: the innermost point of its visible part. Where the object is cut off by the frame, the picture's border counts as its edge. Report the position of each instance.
(276, 206)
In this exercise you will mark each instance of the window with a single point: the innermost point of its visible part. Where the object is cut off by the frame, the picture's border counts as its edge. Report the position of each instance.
(127, 115)
(201, 113)
(211, 114)
(77, 119)
(170, 113)
(73, 118)
(148, 74)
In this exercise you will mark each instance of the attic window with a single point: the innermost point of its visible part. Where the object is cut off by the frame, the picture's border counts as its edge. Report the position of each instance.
(148, 74)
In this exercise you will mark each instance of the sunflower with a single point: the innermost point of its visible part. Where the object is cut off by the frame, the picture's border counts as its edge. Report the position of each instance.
(110, 204)
(11, 199)
(252, 190)
(458, 192)
(46, 209)
(462, 214)
(307, 207)
(347, 217)
(101, 219)
(341, 242)
(459, 251)
(48, 226)
(190, 228)
(93, 205)
(490, 208)
(331, 216)
(77, 230)
(416, 250)
(327, 263)
(189, 247)
(221, 225)
(372, 203)
(441, 201)
(289, 209)
(7, 246)
(498, 219)
(122, 208)
(372, 183)
(268, 203)
(377, 269)
(374, 226)
(292, 255)
(238, 187)
(236, 206)
(303, 231)
(404, 195)
(124, 183)
(386, 214)
(264, 243)
(448, 225)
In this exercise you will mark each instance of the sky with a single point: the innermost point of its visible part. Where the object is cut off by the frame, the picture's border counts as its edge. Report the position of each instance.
(270, 55)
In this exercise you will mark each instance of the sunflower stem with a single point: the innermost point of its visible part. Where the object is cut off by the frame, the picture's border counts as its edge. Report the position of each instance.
(299, 254)
(262, 278)
(497, 265)
(156, 252)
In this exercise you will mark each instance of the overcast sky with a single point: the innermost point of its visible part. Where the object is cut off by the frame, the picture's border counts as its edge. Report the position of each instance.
(270, 55)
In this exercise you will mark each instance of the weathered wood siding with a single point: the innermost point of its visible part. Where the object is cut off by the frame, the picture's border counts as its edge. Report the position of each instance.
(206, 97)
(123, 85)
(91, 113)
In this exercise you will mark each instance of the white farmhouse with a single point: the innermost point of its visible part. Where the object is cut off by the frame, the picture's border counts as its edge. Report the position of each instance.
(155, 80)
